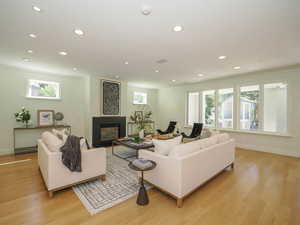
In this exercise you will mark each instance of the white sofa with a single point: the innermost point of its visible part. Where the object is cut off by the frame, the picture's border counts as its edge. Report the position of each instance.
(190, 165)
(56, 176)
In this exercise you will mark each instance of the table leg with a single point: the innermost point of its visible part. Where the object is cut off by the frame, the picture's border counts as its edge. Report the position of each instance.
(142, 198)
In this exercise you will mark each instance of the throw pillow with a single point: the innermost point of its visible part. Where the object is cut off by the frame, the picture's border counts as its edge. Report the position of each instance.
(163, 147)
(52, 142)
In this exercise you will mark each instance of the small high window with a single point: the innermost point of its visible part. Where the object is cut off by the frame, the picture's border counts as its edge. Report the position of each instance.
(43, 89)
(140, 98)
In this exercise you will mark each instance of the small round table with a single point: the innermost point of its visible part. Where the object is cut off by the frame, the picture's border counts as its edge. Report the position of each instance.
(142, 198)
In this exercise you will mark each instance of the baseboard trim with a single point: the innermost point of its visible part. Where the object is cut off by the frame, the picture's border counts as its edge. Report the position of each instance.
(15, 162)
(278, 151)
(6, 151)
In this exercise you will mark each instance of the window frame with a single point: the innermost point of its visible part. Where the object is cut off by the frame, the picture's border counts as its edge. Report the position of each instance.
(28, 90)
(187, 107)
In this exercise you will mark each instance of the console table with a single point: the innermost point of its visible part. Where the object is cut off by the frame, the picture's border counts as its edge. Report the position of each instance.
(24, 150)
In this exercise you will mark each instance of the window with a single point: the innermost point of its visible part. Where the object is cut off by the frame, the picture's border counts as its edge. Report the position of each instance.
(275, 107)
(43, 89)
(140, 98)
(209, 108)
(225, 108)
(249, 107)
(193, 108)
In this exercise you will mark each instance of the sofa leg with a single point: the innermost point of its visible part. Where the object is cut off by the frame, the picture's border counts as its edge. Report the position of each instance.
(232, 165)
(179, 202)
(50, 194)
(103, 177)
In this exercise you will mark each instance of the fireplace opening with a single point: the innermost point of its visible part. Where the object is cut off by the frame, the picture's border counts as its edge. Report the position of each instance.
(109, 133)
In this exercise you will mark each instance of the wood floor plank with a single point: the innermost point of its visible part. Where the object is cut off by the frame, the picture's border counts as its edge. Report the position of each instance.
(263, 189)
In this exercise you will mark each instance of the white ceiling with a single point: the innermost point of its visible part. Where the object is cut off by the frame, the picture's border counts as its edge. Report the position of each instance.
(253, 34)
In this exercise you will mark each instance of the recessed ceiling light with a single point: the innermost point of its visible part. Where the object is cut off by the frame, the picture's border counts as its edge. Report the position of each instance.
(117, 77)
(26, 60)
(200, 75)
(32, 35)
(173, 80)
(75, 69)
(37, 9)
(237, 67)
(177, 28)
(29, 51)
(63, 53)
(78, 32)
(126, 63)
(222, 57)
(156, 71)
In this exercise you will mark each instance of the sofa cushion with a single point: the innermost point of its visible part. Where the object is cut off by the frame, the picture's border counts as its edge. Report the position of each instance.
(207, 142)
(223, 137)
(52, 142)
(185, 148)
(163, 147)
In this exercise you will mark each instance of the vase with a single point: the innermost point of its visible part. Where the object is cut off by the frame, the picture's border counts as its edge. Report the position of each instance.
(141, 133)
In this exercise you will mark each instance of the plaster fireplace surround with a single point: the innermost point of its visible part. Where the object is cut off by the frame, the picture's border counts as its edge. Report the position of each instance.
(108, 128)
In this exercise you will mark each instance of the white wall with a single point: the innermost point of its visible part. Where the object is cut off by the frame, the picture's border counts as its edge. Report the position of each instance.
(13, 85)
(172, 106)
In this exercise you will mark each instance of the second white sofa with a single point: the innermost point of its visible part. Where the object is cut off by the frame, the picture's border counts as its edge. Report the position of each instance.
(190, 165)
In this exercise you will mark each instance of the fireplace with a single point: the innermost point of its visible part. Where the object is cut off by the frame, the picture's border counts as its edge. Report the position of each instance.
(106, 129)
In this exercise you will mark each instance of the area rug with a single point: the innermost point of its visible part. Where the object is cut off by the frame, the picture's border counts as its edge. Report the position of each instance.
(121, 184)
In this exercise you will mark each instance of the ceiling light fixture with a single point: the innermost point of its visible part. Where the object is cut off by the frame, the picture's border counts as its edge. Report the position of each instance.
(117, 77)
(126, 63)
(78, 32)
(63, 53)
(173, 80)
(237, 67)
(177, 28)
(32, 35)
(75, 69)
(37, 9)
(29, 51)
(222, 57)
(26, 60)
(200, 75)
(156, 71)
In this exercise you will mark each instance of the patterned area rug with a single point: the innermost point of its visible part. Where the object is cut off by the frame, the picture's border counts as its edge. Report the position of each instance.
(121, 184)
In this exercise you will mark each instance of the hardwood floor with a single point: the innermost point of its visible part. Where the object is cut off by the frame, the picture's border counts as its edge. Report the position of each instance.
(263, 189)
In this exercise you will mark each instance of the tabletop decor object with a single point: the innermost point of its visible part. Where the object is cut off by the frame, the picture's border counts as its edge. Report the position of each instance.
(23, 116)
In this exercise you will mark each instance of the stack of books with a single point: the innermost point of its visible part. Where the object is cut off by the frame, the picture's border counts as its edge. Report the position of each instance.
(142, 163)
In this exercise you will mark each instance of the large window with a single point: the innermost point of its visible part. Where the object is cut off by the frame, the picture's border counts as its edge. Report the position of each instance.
(43, 89)
(209, 108)
(249, 107)
(193, 108)
(225, 108)
(259, 108)
(140, 98)
(275, 107)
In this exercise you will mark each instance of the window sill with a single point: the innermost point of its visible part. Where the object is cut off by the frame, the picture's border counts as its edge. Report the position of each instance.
(247, 131)
(256, 132)
(41, 98)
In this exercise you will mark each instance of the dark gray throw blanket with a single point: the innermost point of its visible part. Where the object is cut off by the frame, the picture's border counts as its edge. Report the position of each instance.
(71, 154)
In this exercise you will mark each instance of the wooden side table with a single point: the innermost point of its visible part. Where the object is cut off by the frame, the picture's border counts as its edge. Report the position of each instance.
(142, 198)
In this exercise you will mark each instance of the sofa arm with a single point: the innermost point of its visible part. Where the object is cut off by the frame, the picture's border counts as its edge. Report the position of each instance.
(167, 173)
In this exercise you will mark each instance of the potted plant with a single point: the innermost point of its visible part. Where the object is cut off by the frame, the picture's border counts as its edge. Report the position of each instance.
(23, 116)
(141, 118)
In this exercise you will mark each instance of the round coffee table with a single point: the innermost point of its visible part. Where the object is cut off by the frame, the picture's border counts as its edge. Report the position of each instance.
(142, 198)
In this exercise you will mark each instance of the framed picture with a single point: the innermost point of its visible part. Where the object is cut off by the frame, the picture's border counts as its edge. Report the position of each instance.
(45, 118)
(111, 102)
(138, 114)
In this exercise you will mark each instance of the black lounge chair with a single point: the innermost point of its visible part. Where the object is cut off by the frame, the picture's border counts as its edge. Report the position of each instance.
(196, 132)
(170, 128)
